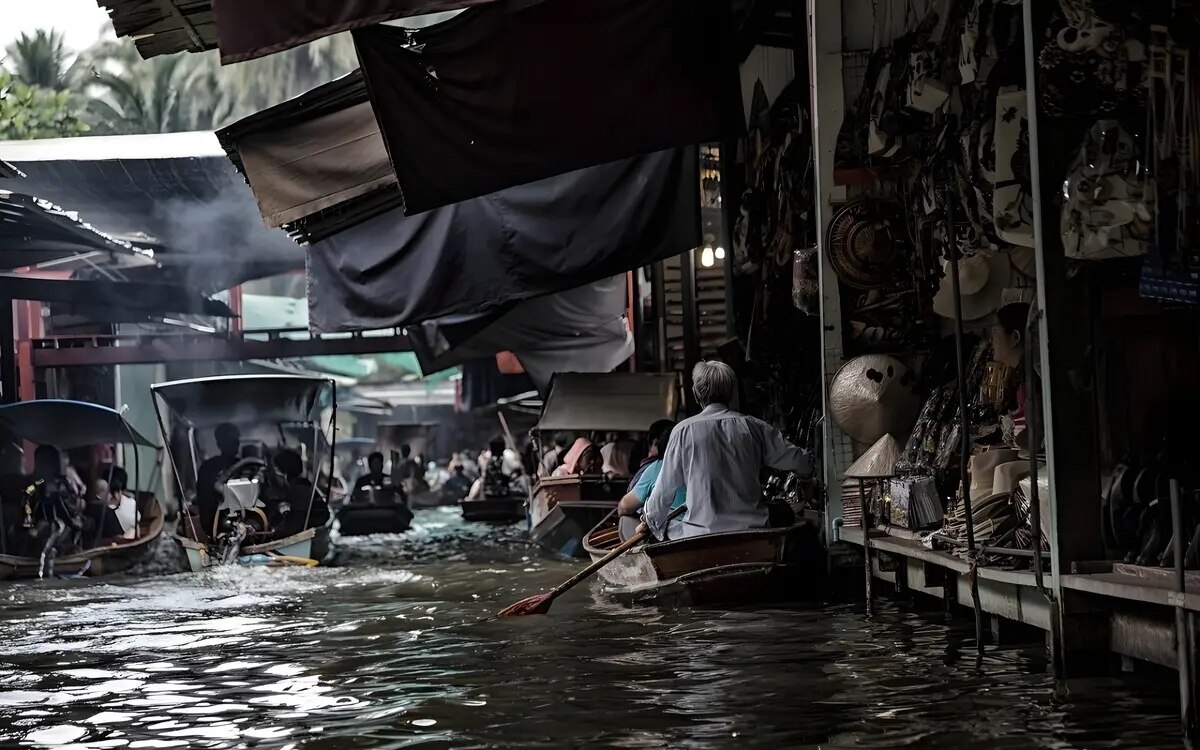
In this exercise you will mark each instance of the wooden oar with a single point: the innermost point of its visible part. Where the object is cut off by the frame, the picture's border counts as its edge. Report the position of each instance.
(540, 604)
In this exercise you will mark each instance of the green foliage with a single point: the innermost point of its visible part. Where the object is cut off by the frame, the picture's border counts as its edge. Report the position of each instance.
(28, 112)
(110, 90)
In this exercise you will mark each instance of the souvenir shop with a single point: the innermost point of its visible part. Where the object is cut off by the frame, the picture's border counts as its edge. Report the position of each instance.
(1006, 280)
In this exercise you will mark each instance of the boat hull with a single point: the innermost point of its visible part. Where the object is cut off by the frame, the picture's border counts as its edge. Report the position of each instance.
(97, 561)
(730, 568)
(360, 519)
(494, 509)
(563, 510)
(310, 544)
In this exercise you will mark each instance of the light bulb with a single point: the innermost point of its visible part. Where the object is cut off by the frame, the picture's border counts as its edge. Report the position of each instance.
(720, 253)
(706, 257)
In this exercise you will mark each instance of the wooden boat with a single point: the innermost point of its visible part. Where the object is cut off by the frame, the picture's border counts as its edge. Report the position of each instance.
(729, 568)
(77, 424)
(508, 509)
(97, 561)
(254, 526)
(384, 512)
(309, 547)
(562, 509)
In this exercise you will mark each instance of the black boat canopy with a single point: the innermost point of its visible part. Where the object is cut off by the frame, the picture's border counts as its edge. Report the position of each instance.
(616, 402)
(68, 424)
(246, 399)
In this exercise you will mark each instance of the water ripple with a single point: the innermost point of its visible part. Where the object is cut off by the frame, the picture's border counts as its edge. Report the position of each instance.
(394, 648)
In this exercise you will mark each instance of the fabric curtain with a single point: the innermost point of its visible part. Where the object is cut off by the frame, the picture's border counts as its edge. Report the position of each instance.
(247, 29)
(578, 330)
(505, 95)
(481, 255)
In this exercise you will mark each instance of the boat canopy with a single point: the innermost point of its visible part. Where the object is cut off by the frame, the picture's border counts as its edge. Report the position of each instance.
(69, 424)
(617, 402)
(246, 399)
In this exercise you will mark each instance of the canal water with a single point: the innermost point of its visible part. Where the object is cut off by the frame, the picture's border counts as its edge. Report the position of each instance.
(392, 649)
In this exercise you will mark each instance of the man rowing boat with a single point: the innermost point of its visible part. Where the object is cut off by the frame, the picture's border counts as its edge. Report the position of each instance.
(718, 456)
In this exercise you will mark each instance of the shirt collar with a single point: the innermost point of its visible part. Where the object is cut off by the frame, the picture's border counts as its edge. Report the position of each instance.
(715, 408)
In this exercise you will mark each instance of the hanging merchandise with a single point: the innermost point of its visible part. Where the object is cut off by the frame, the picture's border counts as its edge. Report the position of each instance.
(806, 288)
(862, 246)
(872, 396)
(1172, 268)
(982, 279)
(1013, 197)
(915, 503)
(1089, 67)
(1105, 214)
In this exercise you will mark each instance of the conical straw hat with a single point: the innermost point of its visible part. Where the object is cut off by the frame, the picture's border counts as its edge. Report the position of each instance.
(878, 462)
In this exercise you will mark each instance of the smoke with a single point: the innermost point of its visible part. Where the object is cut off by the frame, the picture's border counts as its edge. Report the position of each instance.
(222, 240)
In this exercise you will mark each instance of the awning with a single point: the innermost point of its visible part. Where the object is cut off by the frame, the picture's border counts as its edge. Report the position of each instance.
(524, 242)
(177, 193)
(68, 424)
(247, 29)
(578, 330)
(505, 95)
(34, 232)
(80, 295)
(613, 402)
(317, 163)
(246, 399)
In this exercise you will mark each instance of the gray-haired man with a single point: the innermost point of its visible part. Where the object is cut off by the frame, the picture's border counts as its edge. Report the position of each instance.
(718, 455)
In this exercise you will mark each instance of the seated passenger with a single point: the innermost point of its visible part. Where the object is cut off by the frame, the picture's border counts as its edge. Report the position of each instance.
(208, 495)
(122, 506)
(653, 454)
(616, 457)
(299, 506)
(458, 485)
(630, 507)
(718, 457)
(583, 458)
(374, 480)
(53, 510)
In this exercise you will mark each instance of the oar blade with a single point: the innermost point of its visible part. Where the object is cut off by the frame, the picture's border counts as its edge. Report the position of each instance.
(534, 605)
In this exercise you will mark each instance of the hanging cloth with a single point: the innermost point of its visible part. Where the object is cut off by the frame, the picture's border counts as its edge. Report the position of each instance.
(523, 242)
(247, 29)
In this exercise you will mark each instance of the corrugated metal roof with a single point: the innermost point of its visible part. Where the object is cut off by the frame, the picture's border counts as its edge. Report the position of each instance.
(164, 27)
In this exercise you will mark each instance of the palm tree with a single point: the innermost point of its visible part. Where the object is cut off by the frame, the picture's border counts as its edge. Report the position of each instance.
(40, 59)
(164, 95)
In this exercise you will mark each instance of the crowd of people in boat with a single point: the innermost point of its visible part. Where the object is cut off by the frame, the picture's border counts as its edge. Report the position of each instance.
(712, 463)
(69, 503)
(288, 501)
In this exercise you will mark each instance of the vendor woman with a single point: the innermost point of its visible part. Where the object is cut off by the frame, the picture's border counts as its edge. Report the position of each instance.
(1006, 384)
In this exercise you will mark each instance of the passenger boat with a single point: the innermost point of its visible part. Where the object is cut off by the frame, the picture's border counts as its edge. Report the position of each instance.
(729, 568)
(263, 516)
(382, 512)
(67, 425)
(563, 508)
(494, 509)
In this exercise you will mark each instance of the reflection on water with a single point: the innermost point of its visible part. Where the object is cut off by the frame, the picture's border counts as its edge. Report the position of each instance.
(391, 649)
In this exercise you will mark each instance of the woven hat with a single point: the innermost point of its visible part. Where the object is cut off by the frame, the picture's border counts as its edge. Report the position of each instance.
(982, 279)
(983, 469)
(1004, 480)
(871, 397)
(862, 248)
(878, 462)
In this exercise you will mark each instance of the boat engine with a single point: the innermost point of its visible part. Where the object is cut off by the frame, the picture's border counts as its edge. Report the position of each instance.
(242, 514)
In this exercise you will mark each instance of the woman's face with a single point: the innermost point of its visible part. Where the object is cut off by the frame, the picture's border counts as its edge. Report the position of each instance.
(1006, 346)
